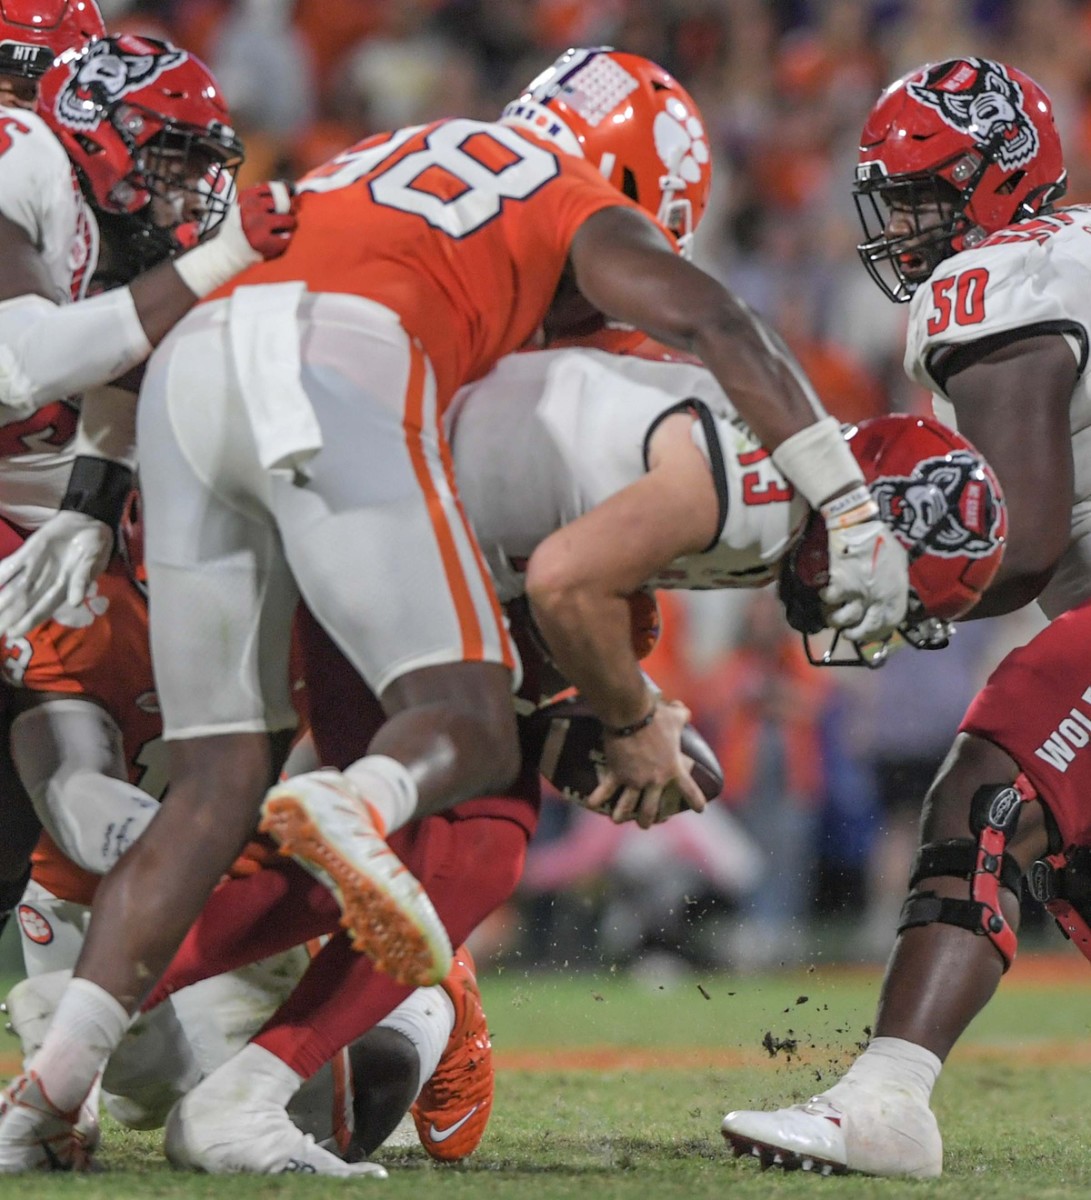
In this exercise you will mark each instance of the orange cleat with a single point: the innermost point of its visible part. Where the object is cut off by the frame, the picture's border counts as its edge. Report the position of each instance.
(454, 1105)
(318, 819)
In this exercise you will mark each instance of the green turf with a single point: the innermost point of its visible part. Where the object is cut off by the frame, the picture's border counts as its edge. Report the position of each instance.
(1014, 1127)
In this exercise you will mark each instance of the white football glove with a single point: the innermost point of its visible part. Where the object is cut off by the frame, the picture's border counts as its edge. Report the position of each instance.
(868, 591)
(56, 565)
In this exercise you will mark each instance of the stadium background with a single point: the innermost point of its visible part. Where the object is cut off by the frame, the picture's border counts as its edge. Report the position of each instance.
(807, 853)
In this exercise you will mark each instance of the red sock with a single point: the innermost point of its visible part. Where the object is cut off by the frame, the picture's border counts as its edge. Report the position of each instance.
(276, 908)
(469, 868)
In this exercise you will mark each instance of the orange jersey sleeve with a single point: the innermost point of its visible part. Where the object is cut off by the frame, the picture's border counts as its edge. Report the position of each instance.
(461, 227)
(102, 653)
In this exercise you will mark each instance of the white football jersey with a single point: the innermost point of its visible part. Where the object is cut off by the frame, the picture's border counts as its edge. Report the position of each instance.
(548, 435)
(40, 193)
(1033, 276)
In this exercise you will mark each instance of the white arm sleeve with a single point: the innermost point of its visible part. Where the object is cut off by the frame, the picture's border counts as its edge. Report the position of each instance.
(107, 427)
(50, 351)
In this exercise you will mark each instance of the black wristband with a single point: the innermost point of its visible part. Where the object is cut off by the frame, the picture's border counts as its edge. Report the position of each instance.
(623, 731)
(98, 487)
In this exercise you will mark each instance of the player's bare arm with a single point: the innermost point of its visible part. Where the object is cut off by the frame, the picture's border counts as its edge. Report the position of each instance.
(577, 583)
(624, 267)
(1029, 445)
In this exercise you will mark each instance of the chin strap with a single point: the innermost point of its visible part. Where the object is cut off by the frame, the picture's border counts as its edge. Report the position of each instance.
(984, 863)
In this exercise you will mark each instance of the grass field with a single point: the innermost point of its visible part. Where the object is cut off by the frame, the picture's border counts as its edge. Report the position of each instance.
(613, 1089)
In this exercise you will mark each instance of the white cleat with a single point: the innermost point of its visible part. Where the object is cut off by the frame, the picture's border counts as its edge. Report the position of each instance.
(226, 1127)
(30, 1006)
(35, 1135)
(889, 1134)
(321, 821)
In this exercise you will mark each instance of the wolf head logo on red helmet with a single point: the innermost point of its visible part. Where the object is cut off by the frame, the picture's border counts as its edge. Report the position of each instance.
(980, 99)
(35, 32)
(146, 127)
(951, 153)
(634, 122)
(107, 71)
(948, 502)
(945, 505)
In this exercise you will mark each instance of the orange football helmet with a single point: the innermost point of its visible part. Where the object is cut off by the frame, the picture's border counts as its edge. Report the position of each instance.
(631, 120)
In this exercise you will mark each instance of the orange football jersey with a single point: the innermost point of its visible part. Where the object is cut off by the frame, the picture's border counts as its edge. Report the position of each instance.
(102, 653)
(460, 227)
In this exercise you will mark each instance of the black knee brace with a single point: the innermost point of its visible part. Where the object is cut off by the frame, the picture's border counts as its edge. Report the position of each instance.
(983, 861)
(1062, 882)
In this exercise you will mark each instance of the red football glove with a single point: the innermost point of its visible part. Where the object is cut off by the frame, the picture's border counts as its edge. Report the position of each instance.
(268, 217)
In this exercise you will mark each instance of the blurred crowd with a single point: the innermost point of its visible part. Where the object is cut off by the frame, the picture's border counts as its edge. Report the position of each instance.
(825, 768)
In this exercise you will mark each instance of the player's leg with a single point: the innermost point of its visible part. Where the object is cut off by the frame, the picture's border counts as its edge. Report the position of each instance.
(997, 805)
(213, 567)
(238, 1118)
(386, 562)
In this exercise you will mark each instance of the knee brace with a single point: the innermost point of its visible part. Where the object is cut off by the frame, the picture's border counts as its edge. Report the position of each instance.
(1062, 882)
(983, 861)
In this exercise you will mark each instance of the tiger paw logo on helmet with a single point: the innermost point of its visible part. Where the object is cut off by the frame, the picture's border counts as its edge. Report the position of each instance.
(680, 141)
(633, 121)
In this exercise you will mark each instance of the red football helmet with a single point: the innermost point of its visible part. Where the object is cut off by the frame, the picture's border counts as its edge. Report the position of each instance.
(35, 32)
(631, 120)
(970, 139)
(945, 505)
(146, 127)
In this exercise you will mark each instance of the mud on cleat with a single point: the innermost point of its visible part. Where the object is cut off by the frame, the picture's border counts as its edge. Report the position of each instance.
(321, 821)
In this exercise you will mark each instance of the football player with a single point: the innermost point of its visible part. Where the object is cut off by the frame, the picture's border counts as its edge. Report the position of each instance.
(960, 169)
(331, 445)
(53, 453)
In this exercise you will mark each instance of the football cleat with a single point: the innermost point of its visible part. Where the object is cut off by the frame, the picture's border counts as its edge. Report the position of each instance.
(228, 1126)
(867, 1133)
(29, 1007)
(454, 1105)
(333, 833)
(36, 1136)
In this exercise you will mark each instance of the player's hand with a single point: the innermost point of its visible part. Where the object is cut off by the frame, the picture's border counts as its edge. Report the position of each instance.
(868, 591)
(56, 565)
(647, 777)
(267, 217)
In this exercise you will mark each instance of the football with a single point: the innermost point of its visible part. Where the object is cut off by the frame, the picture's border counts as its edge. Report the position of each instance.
(567, 736)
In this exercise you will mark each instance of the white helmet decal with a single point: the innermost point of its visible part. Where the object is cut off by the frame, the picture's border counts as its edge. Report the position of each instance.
(104, 75)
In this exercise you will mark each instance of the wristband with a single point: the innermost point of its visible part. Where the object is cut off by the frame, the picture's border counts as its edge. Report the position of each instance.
(853, 508)
(98, 488)
(624, 731)
(818, 462)
(211, 264)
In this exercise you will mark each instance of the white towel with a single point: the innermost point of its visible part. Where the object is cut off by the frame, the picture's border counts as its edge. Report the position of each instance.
(265, 335)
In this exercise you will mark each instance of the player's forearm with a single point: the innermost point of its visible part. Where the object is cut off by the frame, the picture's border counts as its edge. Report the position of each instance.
(588, 637)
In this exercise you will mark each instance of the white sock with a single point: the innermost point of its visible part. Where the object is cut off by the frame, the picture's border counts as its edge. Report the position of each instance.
(387, 786)
(266, 1077)
(86, 1029)
(890, 1060)
(426, 1018)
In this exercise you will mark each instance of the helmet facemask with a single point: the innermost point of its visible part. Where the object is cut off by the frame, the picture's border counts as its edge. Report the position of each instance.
(185, 176)
(933, 211)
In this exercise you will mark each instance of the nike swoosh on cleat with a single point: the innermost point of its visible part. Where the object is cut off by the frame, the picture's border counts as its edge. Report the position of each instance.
(441, 1135)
